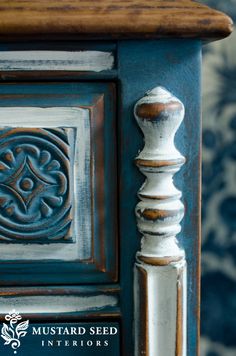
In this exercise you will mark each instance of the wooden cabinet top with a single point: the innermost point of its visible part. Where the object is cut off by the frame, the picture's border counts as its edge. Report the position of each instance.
(109, 19)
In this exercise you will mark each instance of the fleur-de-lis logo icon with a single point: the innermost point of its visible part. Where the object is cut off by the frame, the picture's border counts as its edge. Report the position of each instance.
(14, 331)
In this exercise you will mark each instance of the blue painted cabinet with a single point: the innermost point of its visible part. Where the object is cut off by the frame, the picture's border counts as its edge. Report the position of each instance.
(100, 169)
(69, 185)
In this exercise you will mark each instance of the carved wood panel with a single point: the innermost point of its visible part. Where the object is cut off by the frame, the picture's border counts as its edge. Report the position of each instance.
(35, 189)
(57, 208)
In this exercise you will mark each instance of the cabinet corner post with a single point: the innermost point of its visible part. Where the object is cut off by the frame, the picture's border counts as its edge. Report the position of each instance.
(160, 267)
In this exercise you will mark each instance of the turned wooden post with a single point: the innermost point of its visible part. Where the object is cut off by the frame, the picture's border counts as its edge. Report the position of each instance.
(160, 269)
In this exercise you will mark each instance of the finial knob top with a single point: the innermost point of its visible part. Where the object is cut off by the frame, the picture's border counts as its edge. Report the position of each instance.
(159, 104)
(159, 115)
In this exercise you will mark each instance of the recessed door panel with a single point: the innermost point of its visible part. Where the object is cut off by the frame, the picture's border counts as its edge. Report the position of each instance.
(58, 183)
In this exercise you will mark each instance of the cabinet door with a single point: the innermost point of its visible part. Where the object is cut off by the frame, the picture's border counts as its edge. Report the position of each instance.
(58, 220)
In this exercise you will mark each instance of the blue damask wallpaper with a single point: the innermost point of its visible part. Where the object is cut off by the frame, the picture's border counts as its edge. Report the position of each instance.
(218, 315)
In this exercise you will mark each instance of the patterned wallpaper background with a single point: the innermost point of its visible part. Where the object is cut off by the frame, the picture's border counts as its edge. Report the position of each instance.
(218, 315)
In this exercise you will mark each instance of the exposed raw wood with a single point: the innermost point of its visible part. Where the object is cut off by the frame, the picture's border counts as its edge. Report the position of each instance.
(160, 273)
(111, 19)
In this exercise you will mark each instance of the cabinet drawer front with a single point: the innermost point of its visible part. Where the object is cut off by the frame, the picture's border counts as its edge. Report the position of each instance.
(58, 183)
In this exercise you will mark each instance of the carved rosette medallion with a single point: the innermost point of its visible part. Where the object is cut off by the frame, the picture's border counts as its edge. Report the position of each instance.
(35, 192)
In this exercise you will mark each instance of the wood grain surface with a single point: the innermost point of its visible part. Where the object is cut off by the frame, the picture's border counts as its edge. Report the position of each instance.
(106, 19)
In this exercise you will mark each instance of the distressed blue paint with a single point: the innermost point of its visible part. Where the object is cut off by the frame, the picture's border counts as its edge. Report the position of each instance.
(71, 94)
(143, 66)
(34, 186)
(59, 45)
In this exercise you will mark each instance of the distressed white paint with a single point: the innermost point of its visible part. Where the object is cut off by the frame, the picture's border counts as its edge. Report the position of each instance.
(92, 61)
(159, 136)
(159, 241)
(165, 246)
(47, 118)
(162, 307)
(159, 146)
(52, 304)
(83, 194)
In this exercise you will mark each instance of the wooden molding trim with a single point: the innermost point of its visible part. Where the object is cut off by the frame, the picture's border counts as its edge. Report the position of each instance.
(108, 19)
(160, 269)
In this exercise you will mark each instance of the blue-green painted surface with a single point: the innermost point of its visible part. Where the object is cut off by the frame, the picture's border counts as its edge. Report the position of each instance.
(141, 66)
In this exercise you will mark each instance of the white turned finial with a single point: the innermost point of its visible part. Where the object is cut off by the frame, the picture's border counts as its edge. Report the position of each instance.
(160, 269)
(159, 115)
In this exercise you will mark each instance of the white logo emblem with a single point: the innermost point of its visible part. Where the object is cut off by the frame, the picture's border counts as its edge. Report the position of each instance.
(14, 331)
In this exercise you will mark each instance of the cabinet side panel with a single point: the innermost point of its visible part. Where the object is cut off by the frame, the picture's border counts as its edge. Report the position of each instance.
(176, 66)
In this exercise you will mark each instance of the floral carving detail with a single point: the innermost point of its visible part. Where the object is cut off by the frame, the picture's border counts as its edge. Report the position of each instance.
(13, 332)
(35, 198)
